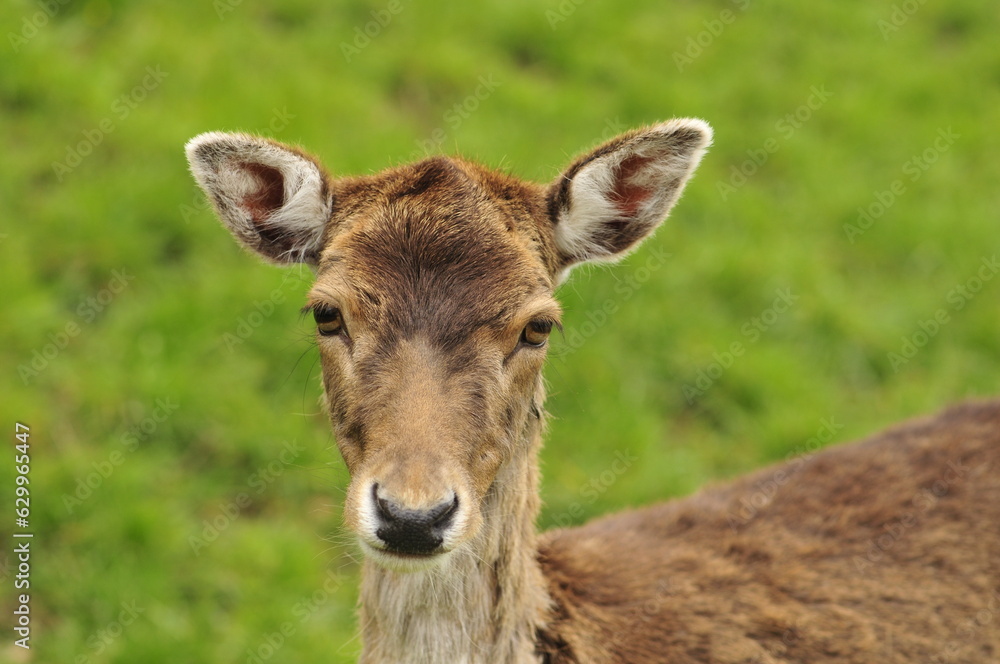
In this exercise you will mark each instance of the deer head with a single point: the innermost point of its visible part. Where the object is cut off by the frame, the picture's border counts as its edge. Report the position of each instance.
(433, 304)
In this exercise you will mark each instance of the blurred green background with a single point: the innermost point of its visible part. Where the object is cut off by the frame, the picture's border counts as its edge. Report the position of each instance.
(842, 233)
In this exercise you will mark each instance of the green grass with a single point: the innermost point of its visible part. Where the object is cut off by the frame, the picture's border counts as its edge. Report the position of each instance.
(189, 292)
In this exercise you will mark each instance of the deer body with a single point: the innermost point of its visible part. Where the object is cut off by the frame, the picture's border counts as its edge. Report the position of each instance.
(886, 551)
(433, 302)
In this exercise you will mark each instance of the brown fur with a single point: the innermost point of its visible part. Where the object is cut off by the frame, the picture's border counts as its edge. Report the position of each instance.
(883, 551)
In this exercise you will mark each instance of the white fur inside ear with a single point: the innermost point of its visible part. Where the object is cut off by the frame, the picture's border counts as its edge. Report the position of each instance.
(239, 171)
(653, 165)
(590, 208)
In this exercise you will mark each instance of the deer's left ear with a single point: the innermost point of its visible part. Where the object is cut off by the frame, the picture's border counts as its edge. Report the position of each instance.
(274, 199)
(612, 198)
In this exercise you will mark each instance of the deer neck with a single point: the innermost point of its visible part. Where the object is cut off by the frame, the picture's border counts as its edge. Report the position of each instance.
(485, 602)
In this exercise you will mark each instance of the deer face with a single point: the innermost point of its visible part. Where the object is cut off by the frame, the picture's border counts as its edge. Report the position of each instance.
(433, 304)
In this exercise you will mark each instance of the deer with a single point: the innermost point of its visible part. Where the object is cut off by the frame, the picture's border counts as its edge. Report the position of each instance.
(434, 300)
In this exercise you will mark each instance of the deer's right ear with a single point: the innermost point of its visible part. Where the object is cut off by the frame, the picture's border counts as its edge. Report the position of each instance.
(273, 199)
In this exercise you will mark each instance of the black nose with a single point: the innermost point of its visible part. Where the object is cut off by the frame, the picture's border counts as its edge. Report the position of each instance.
(412, 531)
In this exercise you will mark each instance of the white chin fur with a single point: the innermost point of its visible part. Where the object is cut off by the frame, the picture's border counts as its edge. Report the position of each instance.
(402, 563)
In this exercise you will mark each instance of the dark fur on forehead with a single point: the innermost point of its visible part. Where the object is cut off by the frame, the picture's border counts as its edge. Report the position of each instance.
(444, 244)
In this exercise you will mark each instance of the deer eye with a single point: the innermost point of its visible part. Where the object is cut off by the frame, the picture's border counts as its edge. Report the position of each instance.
(536, 333)
(329, 322)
